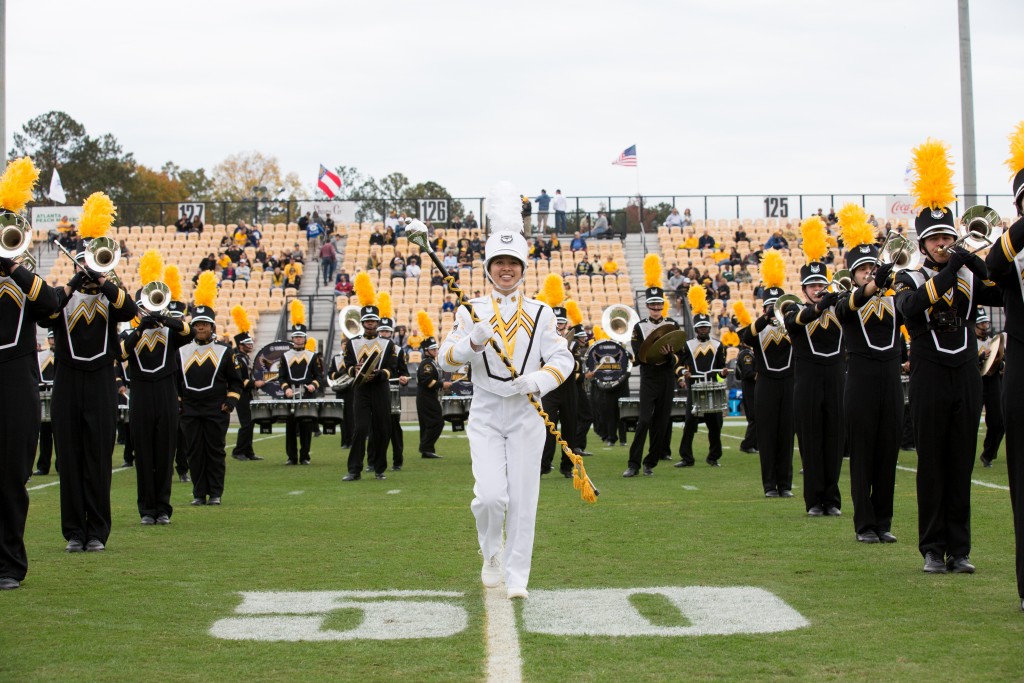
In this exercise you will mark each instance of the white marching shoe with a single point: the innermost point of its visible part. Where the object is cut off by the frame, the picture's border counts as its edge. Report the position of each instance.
(518, 593)
(490, 575)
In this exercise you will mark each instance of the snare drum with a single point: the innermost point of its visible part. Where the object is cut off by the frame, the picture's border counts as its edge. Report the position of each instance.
(679, 409)
(455, 409)
(280, 410)
(709, 397)
(262, 415)
(44, 405)
(629, 412)
(306, 409)
(906, 389)
(396, 400)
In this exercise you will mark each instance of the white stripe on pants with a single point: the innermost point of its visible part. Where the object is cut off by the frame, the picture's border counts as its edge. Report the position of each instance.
(506, 440)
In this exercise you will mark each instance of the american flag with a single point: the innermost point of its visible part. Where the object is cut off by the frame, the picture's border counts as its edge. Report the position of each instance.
(627, 158)
(329, 182)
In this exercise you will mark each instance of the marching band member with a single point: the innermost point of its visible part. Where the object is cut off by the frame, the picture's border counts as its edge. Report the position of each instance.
(560, 405)
(938, 304)
(24, 299)
(608, 399)
(151, 352)
(386, 329)
(1006, 264)
(84, 408)
(817, 338)
(991, 389)
(301, 370)
(45, 358)
(506, 433)
(336, 372)
(177, 310)
(244, 346)
(873, 403)
(746, 368)
(773, 352)
(578, 348)
(429, 385)
(211, 388)
(371, 396)
(657, 380)
(702, 360)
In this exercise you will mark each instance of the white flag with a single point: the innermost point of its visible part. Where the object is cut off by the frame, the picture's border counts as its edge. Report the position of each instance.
(56, 189)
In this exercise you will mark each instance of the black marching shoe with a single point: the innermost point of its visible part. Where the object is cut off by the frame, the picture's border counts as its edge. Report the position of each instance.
(351, 477)
(960, 565)
(289, 463)
(886, 537)
(39, 473)
(748, 450)
(95, 545)
(9, 584)
(666, 457)
(396, 468)
(253, 457)
(567, 475)
(630, 472)
(648, 472)
(379, 476)
(430, 456)
(985, 462)
(199, 501)
(304, 462)
(684, 463)
(933, 564)
(74, 546)
(713, 463)
(214, 500)
(163, 520)
(816, 511)
(833, 511)
(184, 478)
(868, 537)
(148, 520)
(772, 493)
(239, 456)
(786, 493)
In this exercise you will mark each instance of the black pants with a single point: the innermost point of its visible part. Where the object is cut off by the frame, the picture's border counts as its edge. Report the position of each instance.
(45, 447)
(128, 453)
(204, 435)
(873, 407)
(428, 410)
(348, 417)
(372, 415)
(656, 391)
(84, 411)
(560, 405)
(775, 432)
(19, 422)
(992, 399)
(749, 442)
(609, 399)
(397, 441)
(243, 442)
(154, 432)
(181, 452)
(946, 405)
(598, 412)
(714, 422)
(584, 417)
(298, 434)
(907, 440)
(1013, 402)
(817, 407)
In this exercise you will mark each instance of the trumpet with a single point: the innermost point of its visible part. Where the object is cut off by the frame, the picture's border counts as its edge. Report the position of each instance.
(981, 229)
(842, 282)
(155, 297)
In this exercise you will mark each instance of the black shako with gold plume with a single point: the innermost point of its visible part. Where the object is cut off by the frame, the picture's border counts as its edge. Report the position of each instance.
(204, 297)
(1016, 165)
(653, 294)
(427, 331)
(773, 274)
(699, 308)
(815, 246)
(858, 236)
(243, 326)
(932, 189)
(367, 297)
(297, 318)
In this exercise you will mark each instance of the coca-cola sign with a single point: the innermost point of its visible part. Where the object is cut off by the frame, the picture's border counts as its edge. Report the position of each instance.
(900, 206)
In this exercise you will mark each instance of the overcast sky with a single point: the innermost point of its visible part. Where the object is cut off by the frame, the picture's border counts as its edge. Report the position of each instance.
(734, 96)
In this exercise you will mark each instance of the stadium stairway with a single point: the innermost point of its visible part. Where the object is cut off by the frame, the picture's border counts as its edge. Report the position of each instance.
(633, 246)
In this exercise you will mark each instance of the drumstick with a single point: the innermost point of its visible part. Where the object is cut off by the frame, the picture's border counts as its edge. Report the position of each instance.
(580, 481)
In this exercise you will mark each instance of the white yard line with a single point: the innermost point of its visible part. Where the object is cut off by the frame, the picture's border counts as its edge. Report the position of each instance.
(504, 665)
(976, 482)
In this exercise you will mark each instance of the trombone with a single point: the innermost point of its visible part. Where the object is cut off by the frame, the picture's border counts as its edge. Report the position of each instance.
(981, 229)
(842, 282)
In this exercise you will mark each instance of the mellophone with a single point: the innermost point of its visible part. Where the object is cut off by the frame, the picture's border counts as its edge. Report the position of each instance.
(329, 412)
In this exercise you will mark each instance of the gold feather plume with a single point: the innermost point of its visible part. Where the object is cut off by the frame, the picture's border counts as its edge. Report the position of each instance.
(933, 175)
(739, 310)
(856, 230)
(172, 278)
(573, 312)
(730, 338)
(599, 333)
(773, 270)
(364, 290)
(16, 184)
(698, 298)
(311, 344)
(206, 289)
(97, 215)
(241, 318)
(426, 325)
(652, 271)
(387, 310)
(815, 237)
(297, 312)
(553, 291)
(151, 267)
(1016, 160)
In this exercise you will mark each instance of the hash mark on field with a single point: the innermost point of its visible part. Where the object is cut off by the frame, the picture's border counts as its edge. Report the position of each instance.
(690, 488)
(54, 483)
(504, 664)
(394, 491)
(295, 493)
(976, 482)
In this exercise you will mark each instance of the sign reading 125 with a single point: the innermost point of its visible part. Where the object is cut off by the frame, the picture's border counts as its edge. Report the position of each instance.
(776, 207)
(433, 210)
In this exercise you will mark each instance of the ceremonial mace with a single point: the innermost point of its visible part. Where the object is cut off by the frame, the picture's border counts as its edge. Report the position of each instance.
(416, 232)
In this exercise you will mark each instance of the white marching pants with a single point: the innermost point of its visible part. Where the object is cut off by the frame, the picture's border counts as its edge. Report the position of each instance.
(506, 441)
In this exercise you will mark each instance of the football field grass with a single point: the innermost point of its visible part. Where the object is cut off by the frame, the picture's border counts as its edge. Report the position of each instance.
(300, 577)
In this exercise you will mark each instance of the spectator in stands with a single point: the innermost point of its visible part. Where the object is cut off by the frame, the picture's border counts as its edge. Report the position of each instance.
(777, 241)
(675, 278)
(373, 261)
(543, 203)
(390, 239)
(527, 214)
(674, 220)
(584, 268)
(734, 257)
(126, 253)
(241, 234)
(465, 263)
(741, 274)
(314, 234)
(208, 263)
(872, 221)
(397, 265)
(401, 336)
(680, 294)
(435, 278)
(412, 268)
(450, 261)
(560, 205)
(181, 225)
(600, 228)
(456, 223)
(754, 258)
(243, 271)
(741, 236)
(475, 245)
(328, 261)
(470, 222)
(390, 222)
(293, 274)
(255, 237)
(727, 273)
(225, 242)
(709, 287)
(228, 272)
(233, 252)
(377, 237)
(197, 225)
(448, 306)
(462, 246)
(343, 285)
(439, 245)
(611, 267)
(687, 218)
(759, 291)
(706, 241)
(831, 219)
(329, 226)
(578, 243)
(277, 279)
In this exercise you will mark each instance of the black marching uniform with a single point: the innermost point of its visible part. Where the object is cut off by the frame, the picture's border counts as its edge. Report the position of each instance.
(817, 338)
(397, 438)
(299, 368)
(336, 372)
(561, 406)
(1006, 266)
(243, 366)
(24, 300)
(746, 368)
(991, 398)
(938, 304)
(152, 354)
(657, 387)
(209, 382)
(873, 401)
(773, 352)
(372, 403)
(429, 384)
(584, 412)
(45, 358)
(705, 361)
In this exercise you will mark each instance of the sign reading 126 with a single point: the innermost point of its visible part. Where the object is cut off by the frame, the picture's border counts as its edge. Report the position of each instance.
(776, 207)
(433, 210)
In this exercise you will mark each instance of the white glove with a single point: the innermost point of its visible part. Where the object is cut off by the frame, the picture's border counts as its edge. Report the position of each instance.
(524, 385)
(481, 333)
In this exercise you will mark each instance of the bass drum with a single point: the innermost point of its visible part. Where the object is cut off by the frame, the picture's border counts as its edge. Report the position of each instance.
(609, 362)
